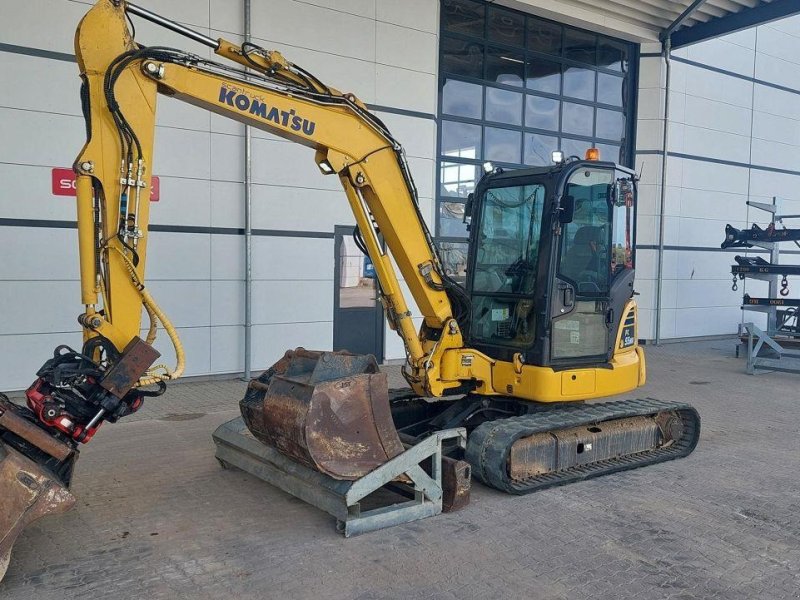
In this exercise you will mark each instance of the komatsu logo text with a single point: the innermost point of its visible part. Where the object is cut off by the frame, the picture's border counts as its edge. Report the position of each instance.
(289, 119)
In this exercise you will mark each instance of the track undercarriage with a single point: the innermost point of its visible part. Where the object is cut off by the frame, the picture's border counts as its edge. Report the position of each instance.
(520, 447)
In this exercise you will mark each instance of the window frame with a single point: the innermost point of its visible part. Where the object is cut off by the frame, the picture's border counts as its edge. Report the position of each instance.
(628, 108)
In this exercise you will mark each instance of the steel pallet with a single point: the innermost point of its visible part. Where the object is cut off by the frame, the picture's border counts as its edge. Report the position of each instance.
(236, 447)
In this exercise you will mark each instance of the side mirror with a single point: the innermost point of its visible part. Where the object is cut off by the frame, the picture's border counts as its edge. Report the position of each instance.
(566, 212)
(468, 207)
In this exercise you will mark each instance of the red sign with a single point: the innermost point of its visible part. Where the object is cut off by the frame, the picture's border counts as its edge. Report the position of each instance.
(64, 184)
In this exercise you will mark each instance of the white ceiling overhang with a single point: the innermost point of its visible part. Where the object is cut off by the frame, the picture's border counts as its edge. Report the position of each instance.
(683, 21)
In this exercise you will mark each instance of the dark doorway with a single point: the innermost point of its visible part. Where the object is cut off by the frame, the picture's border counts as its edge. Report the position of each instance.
(357, 312)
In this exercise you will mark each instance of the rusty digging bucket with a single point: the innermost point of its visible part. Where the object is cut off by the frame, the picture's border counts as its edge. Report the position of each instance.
(327, 410)
(28, 490)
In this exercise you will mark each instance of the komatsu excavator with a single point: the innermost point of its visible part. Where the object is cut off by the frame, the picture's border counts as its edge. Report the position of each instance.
(545, 321)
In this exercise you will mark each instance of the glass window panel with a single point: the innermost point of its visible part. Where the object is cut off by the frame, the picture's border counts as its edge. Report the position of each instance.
(612, 54)
(506, 27)
(454, 259)
(580, 45)
(462, 99)
(544, 36)
(609, 89)
(457, 180)
(463, 16)
(462, 58)
(543, 76)
(610, 152)
(451, 219)
(461, 140)
(502, 145)
(579, 82)
(610, 124)
(505, 67)
(577, 119)
(503, 106)
(572, 147)
(541, 113)
(539, 149)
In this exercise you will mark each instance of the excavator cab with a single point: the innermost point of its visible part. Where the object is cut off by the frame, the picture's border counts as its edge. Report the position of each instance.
(551, 262)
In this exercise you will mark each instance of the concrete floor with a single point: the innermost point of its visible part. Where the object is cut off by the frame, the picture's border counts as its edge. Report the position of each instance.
(158, 518)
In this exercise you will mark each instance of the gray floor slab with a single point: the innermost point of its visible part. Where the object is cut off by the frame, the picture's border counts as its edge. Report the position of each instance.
(158, 518)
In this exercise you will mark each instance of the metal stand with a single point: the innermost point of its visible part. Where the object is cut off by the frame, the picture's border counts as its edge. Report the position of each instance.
(236, 447)
(756, 339)
(774, 307)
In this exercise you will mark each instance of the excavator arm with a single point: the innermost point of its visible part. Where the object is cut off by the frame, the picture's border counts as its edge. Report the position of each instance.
(121, 84)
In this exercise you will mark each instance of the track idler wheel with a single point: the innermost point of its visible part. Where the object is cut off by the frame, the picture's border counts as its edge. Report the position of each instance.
(327, 410)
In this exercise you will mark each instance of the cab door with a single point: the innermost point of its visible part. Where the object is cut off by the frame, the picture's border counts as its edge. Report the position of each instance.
(595, 264)
(580, 310)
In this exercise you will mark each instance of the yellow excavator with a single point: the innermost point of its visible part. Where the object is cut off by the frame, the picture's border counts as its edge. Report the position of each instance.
(545, 320)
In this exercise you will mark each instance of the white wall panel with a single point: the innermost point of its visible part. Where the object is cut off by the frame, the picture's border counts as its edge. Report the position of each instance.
(775, 128)
(280, 258)
(27, 195)
(282, 163)
(416, 135)
(270, 342)
(55, 255)
(227, 303)
(227, 350)
(406, 48)
(186, 303)
(23, 355)
(301, 209)
(778, 70)
(716, 86)
(417, 14)
(406, 89)
(227, 257)
(54, 23)
(309, 26)
(181, 202)
(28, 137)
(39, 84)
(723, 55)
(779, 44)
(182, 153)
(227, 204)
(178, 256)
(46, 306)
(292, 301)
(196, 344)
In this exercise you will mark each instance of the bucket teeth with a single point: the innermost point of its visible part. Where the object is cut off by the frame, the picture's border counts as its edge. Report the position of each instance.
(327, 410)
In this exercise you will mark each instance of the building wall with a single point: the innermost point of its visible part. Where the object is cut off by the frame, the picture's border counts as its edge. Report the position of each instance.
(383, 51)
(734, 135)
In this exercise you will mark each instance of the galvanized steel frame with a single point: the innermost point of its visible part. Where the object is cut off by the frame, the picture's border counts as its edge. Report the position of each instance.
(236, 447)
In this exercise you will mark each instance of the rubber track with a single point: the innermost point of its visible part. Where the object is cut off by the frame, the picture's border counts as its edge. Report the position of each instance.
(489, 445)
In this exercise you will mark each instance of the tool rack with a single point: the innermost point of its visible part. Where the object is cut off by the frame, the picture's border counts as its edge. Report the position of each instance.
(782, 333)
